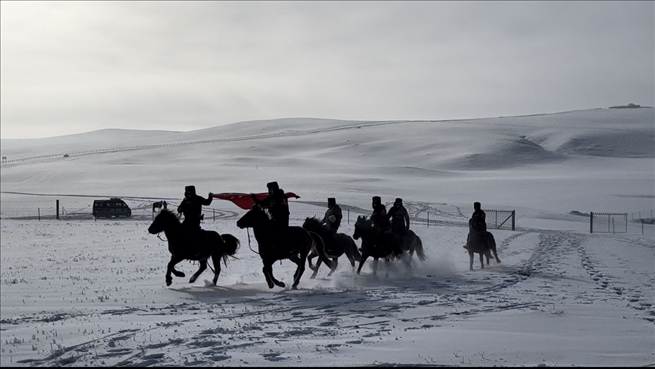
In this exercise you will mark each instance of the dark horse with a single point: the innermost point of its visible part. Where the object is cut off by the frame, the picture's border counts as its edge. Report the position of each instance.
(193, 247)
(375, 244)
(410, 242)
(295, 245)
(335, 246)
(481, 241)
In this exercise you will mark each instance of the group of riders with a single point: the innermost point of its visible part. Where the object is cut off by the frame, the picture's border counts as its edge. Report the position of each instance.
(395, 221)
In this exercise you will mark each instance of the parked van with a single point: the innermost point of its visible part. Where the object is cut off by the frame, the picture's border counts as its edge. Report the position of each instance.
(114, 207)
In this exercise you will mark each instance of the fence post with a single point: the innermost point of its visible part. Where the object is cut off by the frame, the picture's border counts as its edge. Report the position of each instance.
(39, 213)
(591, 222)
(348, 216)
(613, 230)
(428, 219)
(57, 209)
(513, 220)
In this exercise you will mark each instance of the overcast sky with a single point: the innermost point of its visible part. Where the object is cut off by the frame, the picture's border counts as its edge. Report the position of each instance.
(73, 67)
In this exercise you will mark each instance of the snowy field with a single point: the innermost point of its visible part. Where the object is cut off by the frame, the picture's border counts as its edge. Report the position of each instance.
(76, 291)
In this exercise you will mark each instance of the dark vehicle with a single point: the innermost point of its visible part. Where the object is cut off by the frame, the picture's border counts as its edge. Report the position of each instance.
(114, 207)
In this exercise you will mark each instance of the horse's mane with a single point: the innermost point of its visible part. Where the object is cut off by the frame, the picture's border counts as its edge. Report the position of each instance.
(364, 219)
(168, 214)
(313, 221)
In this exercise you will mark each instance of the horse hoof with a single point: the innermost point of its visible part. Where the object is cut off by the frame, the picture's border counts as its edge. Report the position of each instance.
(168, 283)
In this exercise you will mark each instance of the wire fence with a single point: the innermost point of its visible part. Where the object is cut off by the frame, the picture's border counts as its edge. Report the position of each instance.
(421, 214)
(70, 208)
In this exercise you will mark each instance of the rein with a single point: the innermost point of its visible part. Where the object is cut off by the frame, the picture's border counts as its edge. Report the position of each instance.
(250, 247)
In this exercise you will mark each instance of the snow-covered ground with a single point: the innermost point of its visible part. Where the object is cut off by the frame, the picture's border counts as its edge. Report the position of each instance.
(82, 292)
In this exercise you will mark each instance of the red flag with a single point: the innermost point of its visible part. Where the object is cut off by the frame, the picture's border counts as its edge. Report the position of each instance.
(244, 200)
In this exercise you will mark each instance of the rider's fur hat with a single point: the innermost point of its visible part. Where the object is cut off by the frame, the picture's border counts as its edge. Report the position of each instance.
(476, 205)
(191, 189)
(398, 200)
(332, 201)
(377, 200)
(273, 186)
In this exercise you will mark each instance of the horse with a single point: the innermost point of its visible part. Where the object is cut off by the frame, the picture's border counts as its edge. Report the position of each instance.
(410, 242)
(295, 245)
(481, 241)
(335, 246)
(200, 247)
(374, 244)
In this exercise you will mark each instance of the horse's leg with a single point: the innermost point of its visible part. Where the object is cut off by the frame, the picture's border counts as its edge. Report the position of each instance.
(351, 258)
(375, 266)
(217, 267)
(361, 262)
(300, 262)
(272, 281)
(315, 269)
(309, 260)
(178, 273)
(201, 268)
(471, 259)
(482, 260)
(268, 273)
(170, 268)
(335, 262)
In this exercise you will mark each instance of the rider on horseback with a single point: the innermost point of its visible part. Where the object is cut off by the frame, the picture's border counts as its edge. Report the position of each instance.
(399, 220)
(333, 215)
(278, 209)
(478, 220)
(379, 217)
(332, 219)
(191, 207)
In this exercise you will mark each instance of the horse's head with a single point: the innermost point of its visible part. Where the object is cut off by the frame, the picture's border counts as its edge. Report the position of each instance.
(162, 221)
(253, 218)
(360, 226)
(311, 223)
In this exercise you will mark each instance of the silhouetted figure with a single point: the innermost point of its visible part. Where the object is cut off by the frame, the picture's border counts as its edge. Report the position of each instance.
(191, 207)
(379, 217)
(333, 216)
(399, 220)
(278, 209)
(477, 221)
(479, 217)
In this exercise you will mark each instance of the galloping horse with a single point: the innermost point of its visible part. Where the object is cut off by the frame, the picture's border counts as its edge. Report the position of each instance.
(335, 246)
(295, 245)
(410, 242)
(374, 244)
(481, 241)
(201, 246)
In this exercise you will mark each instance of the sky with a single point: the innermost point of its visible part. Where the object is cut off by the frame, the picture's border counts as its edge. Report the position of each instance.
(73, 67)
(88, 292)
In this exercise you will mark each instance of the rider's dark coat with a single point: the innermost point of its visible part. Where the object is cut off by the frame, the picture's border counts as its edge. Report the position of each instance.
(191, 207)
(333, 212)
(399, 219)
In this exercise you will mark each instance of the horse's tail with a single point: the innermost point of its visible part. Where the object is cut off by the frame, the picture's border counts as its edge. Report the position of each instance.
(418, 245)
(353, 249)
(231, 246)
(319, 246)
